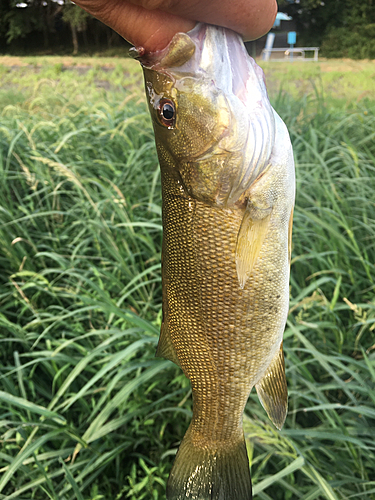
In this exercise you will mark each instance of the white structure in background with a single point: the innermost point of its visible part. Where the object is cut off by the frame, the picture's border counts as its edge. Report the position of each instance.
(266, 52)
(289, 52)
(300, 51)
(280, 16)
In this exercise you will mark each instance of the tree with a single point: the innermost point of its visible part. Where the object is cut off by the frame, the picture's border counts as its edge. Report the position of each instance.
(14, 21)
(77, 19)
(19, 19)
(333, 23)
(313, 17)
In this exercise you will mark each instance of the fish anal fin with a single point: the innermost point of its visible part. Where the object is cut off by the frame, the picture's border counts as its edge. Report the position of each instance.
(290, 228)
(272, 390)
(165, 347)
(250, 239)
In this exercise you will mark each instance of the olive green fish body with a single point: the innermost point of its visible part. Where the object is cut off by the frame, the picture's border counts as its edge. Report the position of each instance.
(228, 193)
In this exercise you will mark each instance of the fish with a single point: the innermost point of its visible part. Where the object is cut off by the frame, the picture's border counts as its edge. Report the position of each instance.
(228, 190)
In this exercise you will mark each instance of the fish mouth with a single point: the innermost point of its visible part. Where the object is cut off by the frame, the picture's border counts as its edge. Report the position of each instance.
(196, 52)
(209, 51)
(221, 54)
(214, 54)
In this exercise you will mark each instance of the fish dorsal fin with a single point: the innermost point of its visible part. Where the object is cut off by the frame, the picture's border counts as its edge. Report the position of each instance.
(165, 347)
(272, 390)
(250, 239)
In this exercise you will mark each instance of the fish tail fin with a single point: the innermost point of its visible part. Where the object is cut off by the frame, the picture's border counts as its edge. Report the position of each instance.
(204, 473)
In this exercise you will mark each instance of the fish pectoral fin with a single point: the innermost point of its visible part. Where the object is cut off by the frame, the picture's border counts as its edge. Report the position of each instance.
(272, 390)
(250, 239)
(165, 347)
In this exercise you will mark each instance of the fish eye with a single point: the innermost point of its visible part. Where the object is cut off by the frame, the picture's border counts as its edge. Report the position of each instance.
(167, 112)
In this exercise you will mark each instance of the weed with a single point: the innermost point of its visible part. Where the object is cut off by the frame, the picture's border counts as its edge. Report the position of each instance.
(86, 410)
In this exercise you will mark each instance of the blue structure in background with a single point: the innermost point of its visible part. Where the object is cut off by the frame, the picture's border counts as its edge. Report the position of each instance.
(276, 42)
(292, 37)
(280, 16)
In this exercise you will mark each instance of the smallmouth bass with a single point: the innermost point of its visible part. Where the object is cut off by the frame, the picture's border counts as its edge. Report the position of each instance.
(228, 189)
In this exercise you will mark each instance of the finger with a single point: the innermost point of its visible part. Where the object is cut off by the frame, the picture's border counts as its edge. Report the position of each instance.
(250, 18)
(151, 29)
(142, 23)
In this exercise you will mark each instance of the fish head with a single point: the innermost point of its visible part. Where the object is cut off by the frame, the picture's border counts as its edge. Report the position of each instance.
(214, 126)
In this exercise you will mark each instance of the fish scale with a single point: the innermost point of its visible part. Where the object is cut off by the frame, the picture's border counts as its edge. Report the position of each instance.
(227, 175)
(218, 321)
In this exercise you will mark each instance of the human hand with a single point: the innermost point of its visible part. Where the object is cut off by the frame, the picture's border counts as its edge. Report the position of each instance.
(153, 23)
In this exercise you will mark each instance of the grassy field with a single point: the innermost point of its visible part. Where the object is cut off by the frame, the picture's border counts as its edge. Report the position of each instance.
(86, 410)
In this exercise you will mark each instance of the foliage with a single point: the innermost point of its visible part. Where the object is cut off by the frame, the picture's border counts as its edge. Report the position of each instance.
(344, 28)
(87, 412)
(26, 21)
(356, 43)
(75, 16)
(19, 24)
(77, 19)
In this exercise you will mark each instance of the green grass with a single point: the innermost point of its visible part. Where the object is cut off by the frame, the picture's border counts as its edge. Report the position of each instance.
(86, 410)
(344, 82)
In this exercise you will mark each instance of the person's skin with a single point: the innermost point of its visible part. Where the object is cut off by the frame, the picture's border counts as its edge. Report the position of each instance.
(152, 23)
